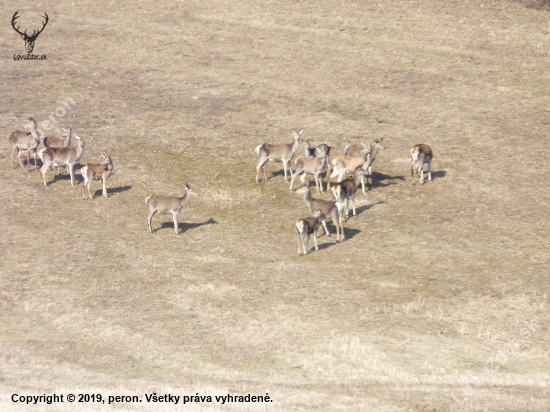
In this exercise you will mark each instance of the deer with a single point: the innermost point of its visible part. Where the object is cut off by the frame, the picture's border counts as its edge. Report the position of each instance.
(167, 205)
(59, 156)
(346, 189)
(343, 164)
(421, 154)
(29, 40)
(327, 208)
(63, 141)
(311, 165)
(103, 171)
(306, 227)
(354, 150)
(22, 141)
(277, 152)
(323, 150)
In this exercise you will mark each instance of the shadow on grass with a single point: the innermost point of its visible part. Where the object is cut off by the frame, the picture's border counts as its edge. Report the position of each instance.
(110, 191)
(363, 208)
(183, 227)
(440, 174)
(378, 178)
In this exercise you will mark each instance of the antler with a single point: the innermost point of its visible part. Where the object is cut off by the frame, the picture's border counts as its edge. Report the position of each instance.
(35, 33)
(15, 16)
(24, 34)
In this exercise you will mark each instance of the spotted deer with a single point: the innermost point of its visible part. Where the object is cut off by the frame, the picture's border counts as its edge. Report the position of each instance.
(421, 154)
(102, 171)
(277, 153)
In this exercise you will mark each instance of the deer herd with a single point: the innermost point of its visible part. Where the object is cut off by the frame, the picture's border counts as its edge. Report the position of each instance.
(357, 160)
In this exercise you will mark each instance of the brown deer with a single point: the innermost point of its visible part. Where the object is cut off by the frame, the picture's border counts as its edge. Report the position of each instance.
(277, 153)
(306, 227)
(167, 205)
(354, 150)
(342, 165)
(63, 141)
(103, 171)
(59, 156)
(421, 154)
(328, 208)
(346, 189)
(311, 165)
(22, 142)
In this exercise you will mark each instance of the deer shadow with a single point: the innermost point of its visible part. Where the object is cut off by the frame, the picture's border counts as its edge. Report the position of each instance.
(110, 191)
(363, 208)
(440, 174)
(183, 227)
(377, 179)
(349, 232)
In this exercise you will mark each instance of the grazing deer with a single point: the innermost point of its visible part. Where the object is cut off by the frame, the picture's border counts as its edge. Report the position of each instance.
(164, 204)
(63, 141)
(59, 156)
(306, 227)
(309, 165)
(277, 152)
(342, 165)
(354, 150)
(103, 171)
(346, 189)
(421, 154)
(328, 208)
(21, 142)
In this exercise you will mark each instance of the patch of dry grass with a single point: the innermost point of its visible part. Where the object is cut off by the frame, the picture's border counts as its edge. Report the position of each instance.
(431, 282)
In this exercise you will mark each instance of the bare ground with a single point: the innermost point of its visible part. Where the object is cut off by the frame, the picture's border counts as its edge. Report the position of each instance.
(435, 301)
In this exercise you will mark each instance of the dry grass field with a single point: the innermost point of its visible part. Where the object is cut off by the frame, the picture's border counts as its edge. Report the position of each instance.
(436, 301)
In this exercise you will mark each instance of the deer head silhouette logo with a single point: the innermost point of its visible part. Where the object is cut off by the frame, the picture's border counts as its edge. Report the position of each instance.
(29, 40)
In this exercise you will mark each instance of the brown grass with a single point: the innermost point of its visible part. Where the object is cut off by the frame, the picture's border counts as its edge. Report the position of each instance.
(431, 282)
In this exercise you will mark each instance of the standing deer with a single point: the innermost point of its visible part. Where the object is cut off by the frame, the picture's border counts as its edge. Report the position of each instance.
(328, 208)
(103, 171)
(306, 227)
(421, 154)
(354, 150)
(63, 141)
(309, 165)
(21, 142)
(277, 152)
(59, 156)
(171, 205)
(346, 189)
(342, 165)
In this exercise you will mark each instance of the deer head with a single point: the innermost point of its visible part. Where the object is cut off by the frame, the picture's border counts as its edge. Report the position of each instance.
(29, 40)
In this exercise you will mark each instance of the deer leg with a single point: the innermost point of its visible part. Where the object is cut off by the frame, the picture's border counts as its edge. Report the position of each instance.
(429, 170)
(306, 236)
(176, 228)
(89, 191)
(325, 227)
(149, 219)
(261, 165)
(42, 170)
(315, 239)
(353, 204)
(286, 165)
(104, 187)
(71, 171)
